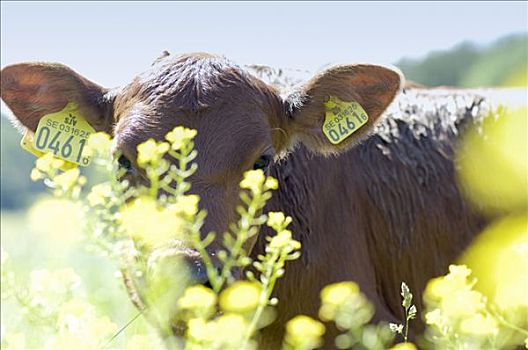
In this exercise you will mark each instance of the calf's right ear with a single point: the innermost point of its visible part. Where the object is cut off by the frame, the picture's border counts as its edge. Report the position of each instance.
(32, 90)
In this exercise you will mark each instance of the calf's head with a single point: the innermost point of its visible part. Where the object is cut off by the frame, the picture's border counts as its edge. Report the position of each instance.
(242, 122)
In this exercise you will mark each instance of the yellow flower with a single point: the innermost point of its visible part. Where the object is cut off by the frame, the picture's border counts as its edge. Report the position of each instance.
(338, 293)
(493, 169)
(100, 142)
(199, 300)
(151, 152)
(303, 332)
(187, 204)
(198, 330)
(54, 282)
(99, 194)
(479, 325)
(143, 219)
(241, 297)
(48, 163)
(458, 273)
(283, 241)
(442, 287)
(70, 178)
(404, 346)
(35, 175)
(253, 180)
(435, 318)
(224, 332)
(80, 327)
(498, 258)
(462, 303)
(278, 221)
(271, 183)
(180, 136)
(227, 323)
(59, 219)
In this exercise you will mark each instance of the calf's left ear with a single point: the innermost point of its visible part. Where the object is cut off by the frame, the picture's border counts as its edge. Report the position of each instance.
(339, 107)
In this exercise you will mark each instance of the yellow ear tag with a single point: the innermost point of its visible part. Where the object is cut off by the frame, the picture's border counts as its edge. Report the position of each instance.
(27, 144)
(342, 119)
(64, 133)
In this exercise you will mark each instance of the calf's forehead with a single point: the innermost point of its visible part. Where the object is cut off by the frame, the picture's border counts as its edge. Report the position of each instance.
(229, 108)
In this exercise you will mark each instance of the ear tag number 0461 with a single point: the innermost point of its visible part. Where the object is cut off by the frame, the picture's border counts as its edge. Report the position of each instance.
(342, 119)
(65, 134)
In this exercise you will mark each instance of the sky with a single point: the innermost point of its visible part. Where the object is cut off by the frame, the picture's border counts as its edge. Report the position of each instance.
(110, 42)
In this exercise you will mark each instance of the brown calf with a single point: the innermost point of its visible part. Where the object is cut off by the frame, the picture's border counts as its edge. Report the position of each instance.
(378, 212)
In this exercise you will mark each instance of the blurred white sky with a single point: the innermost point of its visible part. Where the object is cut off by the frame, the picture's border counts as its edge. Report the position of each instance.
(109, 42)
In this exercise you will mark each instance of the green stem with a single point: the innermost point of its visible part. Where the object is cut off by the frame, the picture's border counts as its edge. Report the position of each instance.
(154, 181)
(121, 330)
(241, 237)
(267, 288)
(509, 325)
(405, 336)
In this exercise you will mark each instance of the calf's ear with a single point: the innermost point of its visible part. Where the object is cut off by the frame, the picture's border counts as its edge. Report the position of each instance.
(32, 90)
(318, 111)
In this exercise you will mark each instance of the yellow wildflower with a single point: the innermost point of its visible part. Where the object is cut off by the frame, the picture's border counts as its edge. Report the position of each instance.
(54, 282)
(180, 136)
(404, 346)
(462, 303)
(48, 162)
(338, 293)
(80, 327)
(99, 194)
(198, 330)
(341, 299)
(151, 152)
(100, 142)
(35, 174)
(479, 325)
(241, 297)
(199, 300)
(145, 220)
(278, 221)
(499, 259)
(225, 325)
(60, 219)
(187, 204)
(253, 180)
(303, 332)
(68, 179)
(494, 169)
(283, 241)
(271, 183)
(436, 318)
(440, 287)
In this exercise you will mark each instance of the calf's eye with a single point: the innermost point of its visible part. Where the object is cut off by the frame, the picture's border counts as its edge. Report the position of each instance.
(262, 163)
(125, 163)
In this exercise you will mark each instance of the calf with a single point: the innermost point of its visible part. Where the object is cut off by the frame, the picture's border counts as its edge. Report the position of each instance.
(377, 210)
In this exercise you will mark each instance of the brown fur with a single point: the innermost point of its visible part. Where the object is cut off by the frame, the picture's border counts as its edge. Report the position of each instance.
(378, 212)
